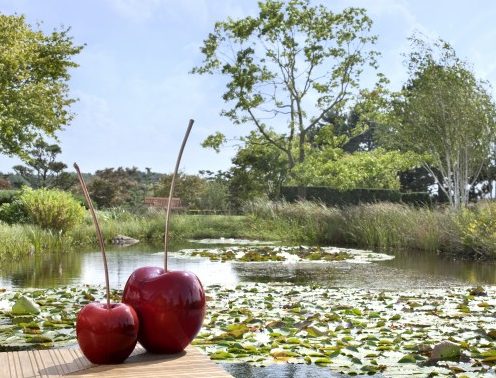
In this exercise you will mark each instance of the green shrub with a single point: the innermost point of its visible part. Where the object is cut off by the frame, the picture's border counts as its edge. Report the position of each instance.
(52, 209)
(477, 226)
(13, 212)
(7, 196)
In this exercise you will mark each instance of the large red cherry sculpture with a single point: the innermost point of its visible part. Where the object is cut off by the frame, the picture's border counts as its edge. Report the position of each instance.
(106, 333)
(170, 306)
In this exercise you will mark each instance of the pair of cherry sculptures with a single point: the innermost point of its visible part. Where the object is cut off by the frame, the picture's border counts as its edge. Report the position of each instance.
(161, 309)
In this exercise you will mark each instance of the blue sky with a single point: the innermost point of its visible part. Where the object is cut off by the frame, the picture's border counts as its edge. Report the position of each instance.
(135, 91)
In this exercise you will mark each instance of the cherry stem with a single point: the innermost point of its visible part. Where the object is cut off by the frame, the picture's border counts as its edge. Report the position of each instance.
(98, 230)
(173, 182)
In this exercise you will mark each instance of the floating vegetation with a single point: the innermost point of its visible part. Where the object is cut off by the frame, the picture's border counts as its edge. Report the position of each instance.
(231, 241)
(40, 319)
(353, 331)
(426, 332)
(288, 254)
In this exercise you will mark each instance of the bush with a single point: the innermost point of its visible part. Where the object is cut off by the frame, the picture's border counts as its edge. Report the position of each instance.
(51, 209)
(13, 212)
(7, 196)
(477, 227)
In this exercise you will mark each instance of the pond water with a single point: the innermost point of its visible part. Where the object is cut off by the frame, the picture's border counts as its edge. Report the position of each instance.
(407, 269)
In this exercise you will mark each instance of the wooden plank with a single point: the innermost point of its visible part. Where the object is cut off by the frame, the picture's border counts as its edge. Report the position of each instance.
(26, 364)
(71, 361)
(4, 365)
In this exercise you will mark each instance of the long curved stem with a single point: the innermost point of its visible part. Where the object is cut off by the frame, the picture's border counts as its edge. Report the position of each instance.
(173, 182)
(98, 230)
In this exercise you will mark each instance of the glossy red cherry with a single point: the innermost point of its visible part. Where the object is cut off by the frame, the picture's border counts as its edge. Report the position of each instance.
(107, 336)
(170, 306)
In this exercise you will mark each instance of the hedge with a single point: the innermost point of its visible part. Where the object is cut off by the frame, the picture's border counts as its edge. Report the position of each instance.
(335, 197)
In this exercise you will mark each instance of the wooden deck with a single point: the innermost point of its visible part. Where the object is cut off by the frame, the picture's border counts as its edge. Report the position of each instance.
(71, 362)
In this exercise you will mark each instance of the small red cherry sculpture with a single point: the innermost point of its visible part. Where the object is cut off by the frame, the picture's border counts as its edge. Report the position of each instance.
(106, 333)
(170, 304)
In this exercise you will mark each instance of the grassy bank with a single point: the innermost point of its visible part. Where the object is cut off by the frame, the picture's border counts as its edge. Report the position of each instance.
(382, 226)
(21, 240)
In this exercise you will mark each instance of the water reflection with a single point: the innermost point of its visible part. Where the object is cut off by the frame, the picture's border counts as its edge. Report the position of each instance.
(41, 271)
(278, 371)
(408, 269)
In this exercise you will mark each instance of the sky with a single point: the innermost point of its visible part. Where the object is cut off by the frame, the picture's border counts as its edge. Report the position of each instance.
(136, 95)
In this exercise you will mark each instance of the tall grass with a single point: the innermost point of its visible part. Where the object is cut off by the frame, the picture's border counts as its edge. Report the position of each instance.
(380, 226)
(21, 240)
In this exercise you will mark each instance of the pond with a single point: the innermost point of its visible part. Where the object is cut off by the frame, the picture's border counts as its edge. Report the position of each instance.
(407, 270)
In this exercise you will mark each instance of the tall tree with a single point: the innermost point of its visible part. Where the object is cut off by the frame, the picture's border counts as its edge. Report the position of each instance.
(289, 66)
(444, 111)
(34, 99)
(42, 170)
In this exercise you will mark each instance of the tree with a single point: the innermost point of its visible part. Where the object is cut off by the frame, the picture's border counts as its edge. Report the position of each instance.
(288, 67)
(378, 169)
(259, 169)
(448, 115)
(118, 187)
(42, 170)
(187, 187)
(34, 72)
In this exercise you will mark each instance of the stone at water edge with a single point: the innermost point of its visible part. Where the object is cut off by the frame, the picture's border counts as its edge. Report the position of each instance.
(124, 240)
(25, 306)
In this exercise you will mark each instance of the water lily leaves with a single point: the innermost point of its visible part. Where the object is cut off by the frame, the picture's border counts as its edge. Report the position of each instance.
(25, 306)
(268, 253)
(352, 331)
(43, 318)
(407, 359)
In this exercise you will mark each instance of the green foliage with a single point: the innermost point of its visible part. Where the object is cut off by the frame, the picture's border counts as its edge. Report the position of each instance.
(187, 187)
(336, 197)
(291, 64)
(377, 169)
(120, 187)
(214, 196)
(478, 229)
(443, 110)
(214, 141)
(34, 72)
(52, 209)
(305, 221)
(383, 225)
(42, 170)
(259, 169)
(13, 212)
(7, 196)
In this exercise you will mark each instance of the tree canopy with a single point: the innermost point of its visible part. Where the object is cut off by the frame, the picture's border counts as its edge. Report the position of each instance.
(287, 67)
(34, 95)
(446, 114)
(42, 170)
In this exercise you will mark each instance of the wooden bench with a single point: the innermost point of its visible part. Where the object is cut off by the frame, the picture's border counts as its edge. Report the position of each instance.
(162, 203)
(71, 362)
